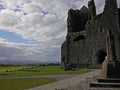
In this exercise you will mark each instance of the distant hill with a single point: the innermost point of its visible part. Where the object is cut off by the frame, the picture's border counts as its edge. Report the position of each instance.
(23, 62)
(16, 62)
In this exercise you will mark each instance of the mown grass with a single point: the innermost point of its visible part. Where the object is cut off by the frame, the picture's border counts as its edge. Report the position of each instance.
(13, 68)
(23, 83)
(41, 70)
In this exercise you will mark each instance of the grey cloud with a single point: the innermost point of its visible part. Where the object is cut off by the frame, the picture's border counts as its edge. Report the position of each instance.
(9, 52)
(30, 8)
(45, 22)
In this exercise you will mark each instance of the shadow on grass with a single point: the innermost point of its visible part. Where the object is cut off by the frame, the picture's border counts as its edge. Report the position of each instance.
(29, 70)
(1, 74)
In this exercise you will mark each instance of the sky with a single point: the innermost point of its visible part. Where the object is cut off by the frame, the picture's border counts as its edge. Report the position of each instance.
(35, 29)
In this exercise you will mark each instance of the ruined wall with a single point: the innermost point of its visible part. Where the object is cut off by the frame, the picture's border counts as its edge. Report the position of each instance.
(86, 43)
(96, 31)
(119, 16)
(77, 19)
(111, 19)
(96, 39)
(64, 54)
(92, 9)
(119, 33)
(77, 48)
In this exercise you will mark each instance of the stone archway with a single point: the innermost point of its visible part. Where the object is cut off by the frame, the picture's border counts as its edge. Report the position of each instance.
(101, 56)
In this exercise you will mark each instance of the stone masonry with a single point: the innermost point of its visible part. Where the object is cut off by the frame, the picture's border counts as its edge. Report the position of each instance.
(85, 44)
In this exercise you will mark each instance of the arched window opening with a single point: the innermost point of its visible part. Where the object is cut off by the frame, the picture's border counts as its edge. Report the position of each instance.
(80, 37)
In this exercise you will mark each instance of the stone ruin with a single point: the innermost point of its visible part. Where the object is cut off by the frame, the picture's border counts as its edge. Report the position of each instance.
(110, 67)
(85, 44)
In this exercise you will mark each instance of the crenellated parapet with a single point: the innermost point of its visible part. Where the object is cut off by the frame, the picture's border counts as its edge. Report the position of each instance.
(77, 19)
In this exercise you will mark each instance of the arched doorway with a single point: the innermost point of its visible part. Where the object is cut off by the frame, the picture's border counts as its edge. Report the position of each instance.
(101, 56)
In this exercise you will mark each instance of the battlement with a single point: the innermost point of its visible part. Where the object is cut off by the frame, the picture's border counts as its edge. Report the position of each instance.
(77, 19)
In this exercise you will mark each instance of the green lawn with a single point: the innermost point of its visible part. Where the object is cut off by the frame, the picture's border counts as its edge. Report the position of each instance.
(23, 83)
(42, 70)
(13, 68)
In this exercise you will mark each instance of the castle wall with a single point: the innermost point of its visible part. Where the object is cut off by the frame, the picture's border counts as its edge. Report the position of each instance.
(119, 16)
(87, 47)
(96, 31)
(64, 54)
(111, 19)
(96, 39)
(76, 45)
(77, 53)
(77, 19)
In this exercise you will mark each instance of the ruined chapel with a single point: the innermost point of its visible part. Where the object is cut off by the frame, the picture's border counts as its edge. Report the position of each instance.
(85, 44)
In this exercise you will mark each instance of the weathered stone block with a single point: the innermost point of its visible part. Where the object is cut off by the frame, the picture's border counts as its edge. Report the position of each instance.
(113, 69)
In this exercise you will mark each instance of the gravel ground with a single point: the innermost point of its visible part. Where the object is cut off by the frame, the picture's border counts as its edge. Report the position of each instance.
(80, 82)
(84, 84)
(75, 83)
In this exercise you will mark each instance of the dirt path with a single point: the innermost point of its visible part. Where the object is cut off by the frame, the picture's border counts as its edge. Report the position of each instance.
(56, 76)
(66, 82)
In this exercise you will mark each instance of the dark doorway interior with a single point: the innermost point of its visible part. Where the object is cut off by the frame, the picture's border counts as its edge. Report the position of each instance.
(101, 56)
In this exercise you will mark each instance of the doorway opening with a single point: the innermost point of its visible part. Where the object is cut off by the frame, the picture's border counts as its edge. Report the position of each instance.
(101, 56)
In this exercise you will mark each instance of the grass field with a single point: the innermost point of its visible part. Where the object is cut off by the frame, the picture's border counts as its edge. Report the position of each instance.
(13, 68)
(23, 83)
(40, 70)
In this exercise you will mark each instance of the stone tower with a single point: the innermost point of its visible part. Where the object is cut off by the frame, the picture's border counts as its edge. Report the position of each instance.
(112, 19)
(110, 4)
(85, 44)
(92, 9)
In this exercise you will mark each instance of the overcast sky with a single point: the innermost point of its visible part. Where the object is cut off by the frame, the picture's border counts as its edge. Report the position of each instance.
(35, 29)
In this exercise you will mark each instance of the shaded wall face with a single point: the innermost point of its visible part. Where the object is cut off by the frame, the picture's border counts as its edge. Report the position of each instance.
(77, 20)
(64, 53)
(111, 17)
(86, 51)
(119, 32)
(119, 15)
(77, 53)
(96, 41)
